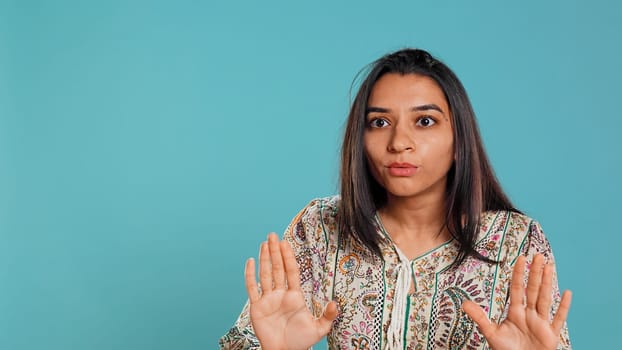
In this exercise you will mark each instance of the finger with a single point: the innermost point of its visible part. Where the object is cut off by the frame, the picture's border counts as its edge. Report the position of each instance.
(562, 312)
(545, 298)
(265, 269)
(477, 314)
(517, 289)
(251, 281)
(325, 322)
(291, 266)
(278, 272)
(535, 279)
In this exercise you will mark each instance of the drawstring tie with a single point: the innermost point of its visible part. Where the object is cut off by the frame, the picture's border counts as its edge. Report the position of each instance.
(395, 332)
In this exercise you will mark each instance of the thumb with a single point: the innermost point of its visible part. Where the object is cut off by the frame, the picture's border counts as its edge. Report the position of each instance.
(325, 322)
(477, 314)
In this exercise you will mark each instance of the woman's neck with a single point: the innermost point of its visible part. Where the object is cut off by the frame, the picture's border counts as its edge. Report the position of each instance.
(415, 225)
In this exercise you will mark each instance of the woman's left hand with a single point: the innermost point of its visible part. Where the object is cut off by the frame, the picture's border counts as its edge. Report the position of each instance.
(527, 325)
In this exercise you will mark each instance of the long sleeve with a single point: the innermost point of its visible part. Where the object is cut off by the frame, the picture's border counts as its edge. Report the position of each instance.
(305, 235)
(241, 336)
(535, 242)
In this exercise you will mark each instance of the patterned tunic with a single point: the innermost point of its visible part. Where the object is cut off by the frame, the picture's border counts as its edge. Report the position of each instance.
(365, 285)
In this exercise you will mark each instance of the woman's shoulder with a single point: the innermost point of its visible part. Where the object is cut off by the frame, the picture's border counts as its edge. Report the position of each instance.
(318, 218)
(328, 203)
(505, 233)
(324, 208)
(512, 222)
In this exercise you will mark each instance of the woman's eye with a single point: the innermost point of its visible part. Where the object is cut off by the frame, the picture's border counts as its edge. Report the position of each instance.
(425, 122)
(378, 123)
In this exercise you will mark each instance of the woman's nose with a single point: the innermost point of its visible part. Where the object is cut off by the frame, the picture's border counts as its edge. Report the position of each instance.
(401, 140)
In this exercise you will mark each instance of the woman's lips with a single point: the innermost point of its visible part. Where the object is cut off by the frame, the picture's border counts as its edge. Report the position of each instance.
(402, 169)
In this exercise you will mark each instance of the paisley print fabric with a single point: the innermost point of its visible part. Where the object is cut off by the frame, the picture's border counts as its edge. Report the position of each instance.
(364, 285)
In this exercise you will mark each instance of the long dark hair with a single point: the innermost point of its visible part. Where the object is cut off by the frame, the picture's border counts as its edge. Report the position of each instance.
(471, 184)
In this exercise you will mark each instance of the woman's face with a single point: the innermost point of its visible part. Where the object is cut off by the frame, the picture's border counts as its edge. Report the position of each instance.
(409, 138)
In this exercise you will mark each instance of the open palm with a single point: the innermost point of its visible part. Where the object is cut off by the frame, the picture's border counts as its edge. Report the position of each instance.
(527, 325)
(279, 314)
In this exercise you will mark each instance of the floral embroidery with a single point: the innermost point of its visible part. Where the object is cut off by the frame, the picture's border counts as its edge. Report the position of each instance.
(363, 284)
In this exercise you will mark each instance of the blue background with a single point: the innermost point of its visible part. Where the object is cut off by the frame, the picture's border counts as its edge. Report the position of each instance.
(146, 148)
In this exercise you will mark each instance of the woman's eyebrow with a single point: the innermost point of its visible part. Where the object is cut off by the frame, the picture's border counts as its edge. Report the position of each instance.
(376, 109)
(427, 107)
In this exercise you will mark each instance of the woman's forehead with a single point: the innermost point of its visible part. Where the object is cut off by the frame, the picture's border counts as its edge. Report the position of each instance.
(394, 89)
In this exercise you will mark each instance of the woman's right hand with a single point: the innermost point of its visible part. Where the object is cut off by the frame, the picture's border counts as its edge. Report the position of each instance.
(279, 314)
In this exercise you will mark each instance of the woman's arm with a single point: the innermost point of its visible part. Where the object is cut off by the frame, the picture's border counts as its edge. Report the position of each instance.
(535, 312)
(241, 336)
(289, 304)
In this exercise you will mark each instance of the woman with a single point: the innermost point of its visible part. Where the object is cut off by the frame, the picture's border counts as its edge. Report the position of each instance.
(422, 249)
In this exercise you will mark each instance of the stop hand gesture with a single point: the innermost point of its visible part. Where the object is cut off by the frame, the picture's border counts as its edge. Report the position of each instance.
(279, 314)
(527, 325)
(281, 319)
